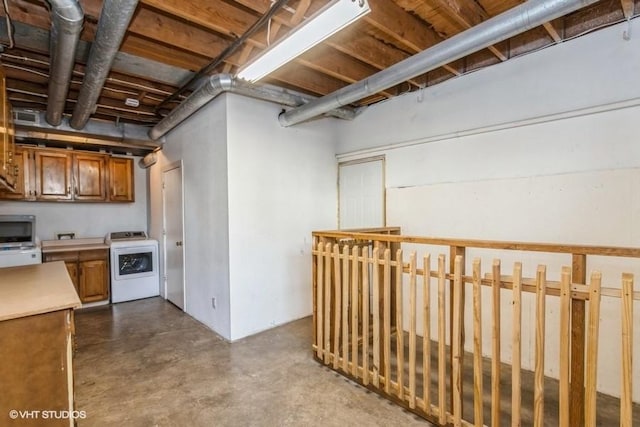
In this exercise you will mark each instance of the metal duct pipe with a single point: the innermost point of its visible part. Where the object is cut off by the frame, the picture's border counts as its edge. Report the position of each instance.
(112, 26)
(508, 24)
(221, 83)
(66, 25)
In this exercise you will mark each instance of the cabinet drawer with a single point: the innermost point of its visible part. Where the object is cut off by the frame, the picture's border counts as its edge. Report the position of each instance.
(61, 256)
(94, 254)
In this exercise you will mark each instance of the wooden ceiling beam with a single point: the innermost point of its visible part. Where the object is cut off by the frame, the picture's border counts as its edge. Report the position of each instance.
(467, 14)
(347, 70)
(403, 27)
(628, 8)
(216, 15)
(355, 44)
(146, 22)
(309, 80)
(551, 30)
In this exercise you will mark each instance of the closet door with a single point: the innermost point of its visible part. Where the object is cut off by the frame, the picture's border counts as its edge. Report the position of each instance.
(362, 193)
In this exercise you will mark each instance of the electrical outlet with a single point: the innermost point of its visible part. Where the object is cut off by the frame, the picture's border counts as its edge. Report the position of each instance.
(213, 302)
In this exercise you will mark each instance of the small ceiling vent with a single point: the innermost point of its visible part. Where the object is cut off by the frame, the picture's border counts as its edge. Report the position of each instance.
(25, 117)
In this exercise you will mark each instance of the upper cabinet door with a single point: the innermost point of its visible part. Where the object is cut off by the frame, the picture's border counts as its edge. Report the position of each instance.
(53, 175)
(89, 177)
(23, 175)
(121, 179)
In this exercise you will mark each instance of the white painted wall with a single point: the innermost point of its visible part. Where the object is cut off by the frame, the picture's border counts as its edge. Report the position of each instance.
(253, 193)
(201, 144)
(541, 148)
(86, 219)
(282, 186)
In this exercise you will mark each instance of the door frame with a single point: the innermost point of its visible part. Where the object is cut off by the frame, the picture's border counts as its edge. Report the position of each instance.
(174, 165)
(381, 158)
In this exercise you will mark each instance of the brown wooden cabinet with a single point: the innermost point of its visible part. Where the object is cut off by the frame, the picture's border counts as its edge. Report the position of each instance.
(89, 177)
(53, 175)
(23, 174)
(121, 188)
(89, 272)
(7, 142)
(45, 174)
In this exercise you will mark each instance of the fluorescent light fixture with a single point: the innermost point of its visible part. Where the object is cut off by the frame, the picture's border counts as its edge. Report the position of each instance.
(327, 21)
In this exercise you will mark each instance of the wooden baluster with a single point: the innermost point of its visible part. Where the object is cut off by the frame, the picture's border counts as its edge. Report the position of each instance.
(365, 315)
(478, 392)
(626, 392)
(386, 274)
(592, 350)
(338, 305)
(455, 251)
(327, 303)
(578, 329)
(516, 396)
(376, 318)
(495, 354)
(412, 330)
(399, 327)
(565, 343)
(426, 333)
(345, 308)
(457, 347)
(354, 311)
(541, 290)
(442, 418)
(319, 300)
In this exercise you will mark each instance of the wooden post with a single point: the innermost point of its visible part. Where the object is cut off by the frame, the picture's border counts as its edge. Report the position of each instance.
(478, 392)
(538, 399)
(578, 330)
(592, 350)
(399, 327)
(626, 393)
(456, 251)
(565, 332)
(426, 333)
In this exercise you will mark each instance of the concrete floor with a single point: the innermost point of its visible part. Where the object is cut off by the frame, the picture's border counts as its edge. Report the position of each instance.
(145, 363)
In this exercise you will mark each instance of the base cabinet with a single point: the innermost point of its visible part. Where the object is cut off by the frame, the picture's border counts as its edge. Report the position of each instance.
(89, 271)
(36, 370)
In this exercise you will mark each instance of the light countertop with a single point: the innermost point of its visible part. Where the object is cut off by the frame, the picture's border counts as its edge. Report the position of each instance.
(51, 246)
(36, 289)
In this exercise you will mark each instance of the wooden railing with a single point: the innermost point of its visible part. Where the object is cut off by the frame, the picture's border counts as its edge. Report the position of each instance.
(366, 329)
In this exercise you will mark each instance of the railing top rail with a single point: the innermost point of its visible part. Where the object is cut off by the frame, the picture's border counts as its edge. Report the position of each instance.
(377, 235)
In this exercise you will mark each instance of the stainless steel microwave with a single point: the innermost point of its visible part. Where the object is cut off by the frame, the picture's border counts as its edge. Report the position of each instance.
(17, 231)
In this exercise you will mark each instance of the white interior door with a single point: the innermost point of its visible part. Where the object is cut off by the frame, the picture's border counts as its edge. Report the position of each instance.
(173, 236)
(362, 193)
